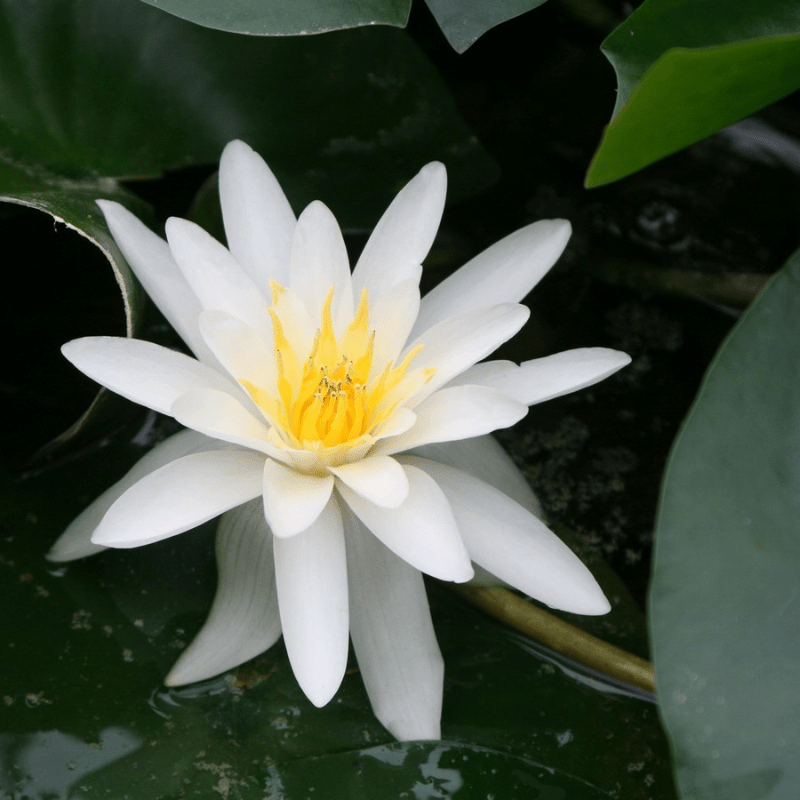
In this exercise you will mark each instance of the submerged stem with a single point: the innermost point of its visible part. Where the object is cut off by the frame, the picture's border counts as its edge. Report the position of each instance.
(562, 637)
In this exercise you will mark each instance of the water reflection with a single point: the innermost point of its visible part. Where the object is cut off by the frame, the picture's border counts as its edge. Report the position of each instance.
(52, 764)
(437, 781)
(439, 770)
(592, 678)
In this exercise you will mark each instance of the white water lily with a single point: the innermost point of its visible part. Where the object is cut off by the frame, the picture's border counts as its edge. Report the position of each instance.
(339, 425)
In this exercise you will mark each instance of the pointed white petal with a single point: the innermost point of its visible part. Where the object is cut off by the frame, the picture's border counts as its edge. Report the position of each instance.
(422, 531)
(181, 495)
(150, 258)
(311, 572)
(485, 458)
(215, 276)
(393, 637)
(545, 378)
(403, 235)
(143, 372)
(244, 618)
(459, 412)
(379, 479)
(504, 273)
(319, 262)
(76, 542)
(515, 545)
(399, 422)
(240, 349)
(395, 314)
(457, 343)
(258, 218)
(220, 416)
(292, 499)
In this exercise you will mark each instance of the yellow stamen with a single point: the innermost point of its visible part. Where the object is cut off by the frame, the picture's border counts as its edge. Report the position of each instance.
(277, 290)
(327, 352)
(307, 430)
(325, 398)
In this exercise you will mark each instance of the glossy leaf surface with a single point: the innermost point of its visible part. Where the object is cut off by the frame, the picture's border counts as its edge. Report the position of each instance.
(725, 602)
(287, 17)
(464, 21)
(687, 68)
(73, 203)
(113, 88)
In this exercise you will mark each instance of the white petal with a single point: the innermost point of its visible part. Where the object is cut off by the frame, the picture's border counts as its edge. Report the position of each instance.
(181, 495)
(244, 619)
(258, 218)
(240, 349)
(293, 500)
(457, 343)
(319, 262)
(150, 258)
(217, 279)
(403, 235)
(545, 378)
(399, 422)
(515, 545)
(459, 412)
(504, 273)
(422, 531)
(393, 637)
(76, 542)
(311, 571)
(219, 415)
(379, 479)
(485, 458)
(392, 318)
(143, 372)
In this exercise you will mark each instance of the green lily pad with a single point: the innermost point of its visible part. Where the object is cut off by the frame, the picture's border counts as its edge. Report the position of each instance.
(33, 378)
(115, 88)
(287, 17)
(464, 21)
(86, 715)
(725, 601)
(73, 202)
(687, 68)
(430, 770)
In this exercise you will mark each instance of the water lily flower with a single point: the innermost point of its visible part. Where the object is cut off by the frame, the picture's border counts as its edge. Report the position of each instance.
(340, 427)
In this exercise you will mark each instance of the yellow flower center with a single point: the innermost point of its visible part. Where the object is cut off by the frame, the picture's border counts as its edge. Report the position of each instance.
(334, 395)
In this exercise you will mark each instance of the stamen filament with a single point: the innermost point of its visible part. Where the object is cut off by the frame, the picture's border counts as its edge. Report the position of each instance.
(325, 400)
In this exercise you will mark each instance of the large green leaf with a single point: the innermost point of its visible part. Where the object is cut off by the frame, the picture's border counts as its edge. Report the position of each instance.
(686, 68)
(73, 202)
(287, 17)
(463, 21)
(115, 88)
(33, 377)
(86, 715)
(725, 598)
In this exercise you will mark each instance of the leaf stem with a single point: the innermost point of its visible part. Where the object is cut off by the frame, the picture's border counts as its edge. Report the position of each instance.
(560, 636)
